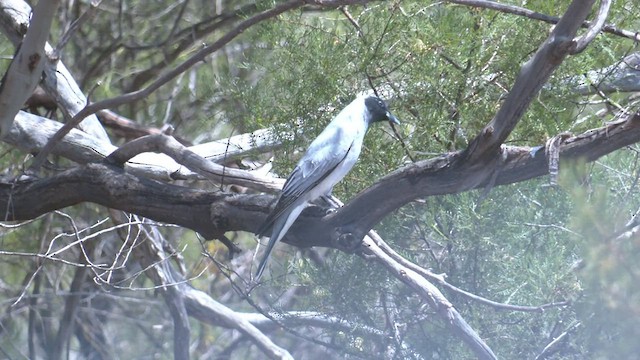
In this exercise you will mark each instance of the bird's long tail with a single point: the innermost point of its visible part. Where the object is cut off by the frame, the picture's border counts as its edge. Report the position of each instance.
(280, 228)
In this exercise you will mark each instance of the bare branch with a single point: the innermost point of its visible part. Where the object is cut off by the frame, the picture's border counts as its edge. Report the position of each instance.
(553, 346)
(31, 133)
(88, 14)
(169, 146)
(440, 280)
(433, 297)
(25, 70)
(202, 307)
(58, 81)
(595, 27)
(533, 74)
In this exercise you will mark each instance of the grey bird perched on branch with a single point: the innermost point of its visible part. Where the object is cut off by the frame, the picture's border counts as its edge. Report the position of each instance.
(329, 158)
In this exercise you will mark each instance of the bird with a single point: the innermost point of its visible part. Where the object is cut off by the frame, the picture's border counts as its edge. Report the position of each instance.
(327, 160)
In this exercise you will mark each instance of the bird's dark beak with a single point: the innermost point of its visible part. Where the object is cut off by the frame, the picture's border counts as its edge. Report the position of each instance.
(392, 118)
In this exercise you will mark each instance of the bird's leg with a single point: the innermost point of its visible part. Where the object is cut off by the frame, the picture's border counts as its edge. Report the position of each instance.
(328, 205)
(325, 202)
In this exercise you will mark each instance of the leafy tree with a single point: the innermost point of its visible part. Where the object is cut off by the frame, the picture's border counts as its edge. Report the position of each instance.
(503, 208)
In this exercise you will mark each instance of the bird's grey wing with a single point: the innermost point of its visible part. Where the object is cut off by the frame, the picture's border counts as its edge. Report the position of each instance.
(317, 164)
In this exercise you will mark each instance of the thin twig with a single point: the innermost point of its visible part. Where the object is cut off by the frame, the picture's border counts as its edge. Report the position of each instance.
(517, 10)
(83, 18)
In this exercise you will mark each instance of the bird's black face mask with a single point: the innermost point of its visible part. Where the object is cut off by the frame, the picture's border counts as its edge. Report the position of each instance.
(378, 110)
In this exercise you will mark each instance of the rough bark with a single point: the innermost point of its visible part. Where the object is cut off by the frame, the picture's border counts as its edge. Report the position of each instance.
(212, 213)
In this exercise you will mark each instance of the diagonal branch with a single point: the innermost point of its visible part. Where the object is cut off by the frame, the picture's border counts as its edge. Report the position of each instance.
(533, 74)
(202, 307)
(596, 26)
(57, 80)
(440, 280)
(428, 292)
(25, 69)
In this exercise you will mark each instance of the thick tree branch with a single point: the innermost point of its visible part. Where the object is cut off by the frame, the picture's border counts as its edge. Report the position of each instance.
(31, 133)
(25, 69)
(57, 80)
(533, 74)
(210, 170)
(114, 188)
(445, 175)
(213, 213)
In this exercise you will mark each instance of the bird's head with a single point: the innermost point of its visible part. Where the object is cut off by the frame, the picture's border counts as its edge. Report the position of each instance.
(378, 110)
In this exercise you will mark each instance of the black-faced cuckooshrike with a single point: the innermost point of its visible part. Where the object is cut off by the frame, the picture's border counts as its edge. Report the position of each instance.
(329, 158)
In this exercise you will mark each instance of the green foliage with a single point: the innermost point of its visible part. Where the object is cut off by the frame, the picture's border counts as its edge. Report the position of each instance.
(449, 68)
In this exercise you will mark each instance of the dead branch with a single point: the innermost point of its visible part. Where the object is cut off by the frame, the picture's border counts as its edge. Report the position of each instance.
(25, 69)
(57, 80)
(594, 29)
(169, 146)
(429, 293)
(31, 133)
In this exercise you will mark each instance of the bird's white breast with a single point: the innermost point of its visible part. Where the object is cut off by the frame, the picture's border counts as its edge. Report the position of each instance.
(353, 131)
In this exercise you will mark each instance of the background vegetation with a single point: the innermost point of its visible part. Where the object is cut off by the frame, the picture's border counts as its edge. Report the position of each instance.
(446, 69)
